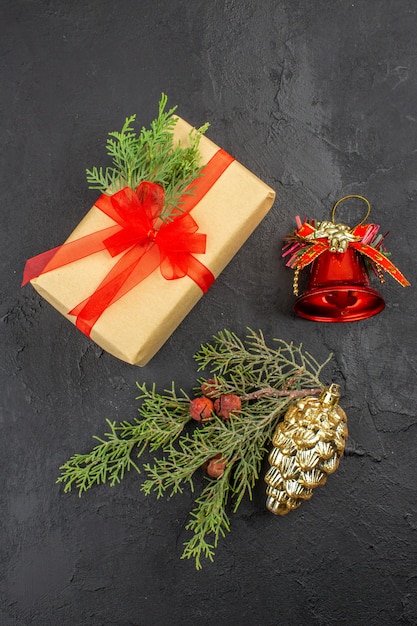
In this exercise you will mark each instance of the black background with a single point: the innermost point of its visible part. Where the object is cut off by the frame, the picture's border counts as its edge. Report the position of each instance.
(319, 99)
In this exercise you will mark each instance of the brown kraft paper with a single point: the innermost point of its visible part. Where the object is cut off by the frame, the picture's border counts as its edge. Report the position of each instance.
(136, 326)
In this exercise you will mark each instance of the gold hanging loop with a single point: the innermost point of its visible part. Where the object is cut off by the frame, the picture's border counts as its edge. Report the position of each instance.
(353, 196)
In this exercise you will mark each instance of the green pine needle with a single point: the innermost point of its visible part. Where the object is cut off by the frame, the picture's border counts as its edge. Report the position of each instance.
(150, 156)
(266, 379)
(209, 521)
(162, 420)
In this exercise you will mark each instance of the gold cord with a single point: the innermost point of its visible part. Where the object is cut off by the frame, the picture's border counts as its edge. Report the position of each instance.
(353, 196)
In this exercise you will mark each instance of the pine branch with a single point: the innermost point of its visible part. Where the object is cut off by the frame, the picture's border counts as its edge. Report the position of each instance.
(264, 379)
(162, 420)
(209, 521)
(107, 462)
(151, 156)
(252, 363)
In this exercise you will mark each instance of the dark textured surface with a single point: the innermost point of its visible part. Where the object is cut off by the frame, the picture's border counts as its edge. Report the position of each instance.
(318, 99)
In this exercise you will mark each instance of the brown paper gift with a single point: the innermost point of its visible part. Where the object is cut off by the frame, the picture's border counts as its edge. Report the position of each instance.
(136, 326)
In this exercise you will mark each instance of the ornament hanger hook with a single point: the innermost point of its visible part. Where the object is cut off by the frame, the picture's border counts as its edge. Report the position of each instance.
(347, 198)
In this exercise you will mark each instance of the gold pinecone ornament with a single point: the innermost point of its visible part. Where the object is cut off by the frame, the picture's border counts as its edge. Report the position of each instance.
(308, 445)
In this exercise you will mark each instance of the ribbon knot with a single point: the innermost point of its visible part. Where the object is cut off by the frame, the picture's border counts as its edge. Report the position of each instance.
(310, 240)
(136, 212)
(146, 243)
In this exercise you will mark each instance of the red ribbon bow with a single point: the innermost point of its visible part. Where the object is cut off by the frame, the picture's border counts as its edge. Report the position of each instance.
(310, 248)
(143, 240)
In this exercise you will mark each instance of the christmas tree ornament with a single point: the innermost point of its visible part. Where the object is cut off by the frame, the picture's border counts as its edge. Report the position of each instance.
(341, 259)
(217, 441)
(308, 445)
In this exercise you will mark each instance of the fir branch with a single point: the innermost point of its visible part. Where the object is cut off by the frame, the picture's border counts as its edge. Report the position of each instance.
(151, 156)
(162, 419)
(107, 462)
(254, 362)
(162, 416)
(265, 378)
(209, 521)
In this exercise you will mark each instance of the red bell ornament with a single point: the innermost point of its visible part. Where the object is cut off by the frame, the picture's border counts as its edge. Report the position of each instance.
(341, 258)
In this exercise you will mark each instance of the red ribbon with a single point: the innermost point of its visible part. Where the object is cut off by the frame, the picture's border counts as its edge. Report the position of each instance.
(321, 244)
(143, 240)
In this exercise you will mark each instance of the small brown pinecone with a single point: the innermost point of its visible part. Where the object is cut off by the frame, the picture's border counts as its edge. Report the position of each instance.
(308, 445)
(226, 405)
(201, 409)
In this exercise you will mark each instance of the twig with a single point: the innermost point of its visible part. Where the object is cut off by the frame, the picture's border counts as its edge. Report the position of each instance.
(270, 392)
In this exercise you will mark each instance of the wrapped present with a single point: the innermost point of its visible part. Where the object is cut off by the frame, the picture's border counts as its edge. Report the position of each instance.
(129, 297)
